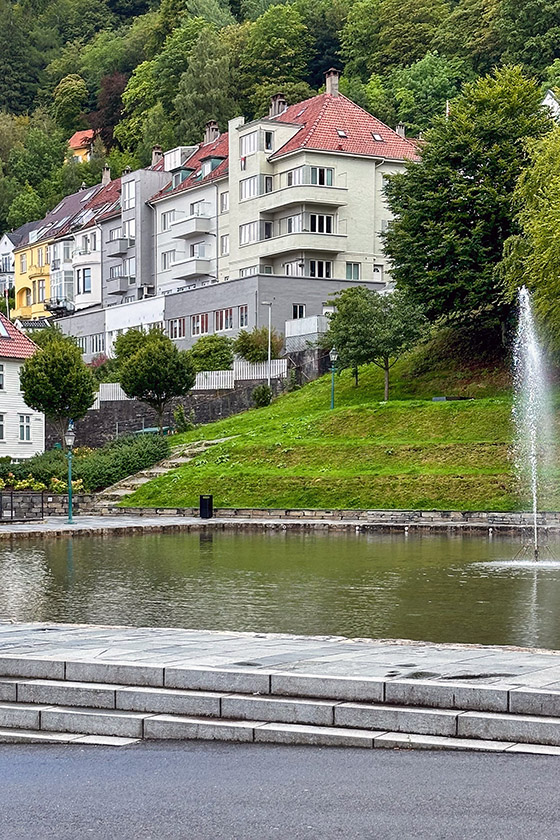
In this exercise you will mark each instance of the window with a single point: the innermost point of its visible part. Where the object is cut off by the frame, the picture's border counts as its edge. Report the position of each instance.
(84, 280)
(115, 271)
(129, 229)
(224, 319)
(294, 268)
(352, 271)
(320, 268)
(128, 195)
(298, 310)
(294, 176)
(115, 233)
(167, 259)
(341, 132)
(248, 233)
(198, 208)
(244, 316)
(322, 176)
(199, 324)
(40, 291)
(294, 224)
(377, 136)
(268, 183)
(224, 202)
(267, 230)
(28, 297)
(249, 187)
(23, 263)
(320, 224)
(129, 299)
(98, 343)
(248, 144)
(266, 269)
(224, 244)
(40, 257)
(1, 427)
(176, 328)
(25, 427)
(197, 250)
(269, 141)
(67, 252)
(378, 273)
(129, 269)
(179, 177)
(1, 377)
(386, 224)
(167, 219)
(249, 271)
(81, 341)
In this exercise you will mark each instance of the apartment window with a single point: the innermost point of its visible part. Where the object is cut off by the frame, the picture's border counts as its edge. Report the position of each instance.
(248, 233)
(199, 324)
(167, 259)
(40, 257)
(25, 427)
(244, 316)
(266, 269)
(167, 219)
(295, 176)
(224, 202)
(198, 250)
(40, 291)
(129, 299)
(249, 271)
(224, 244)
(85, 249)
(128, 195)
(249, 187)
(115, 271)
(81, 341)
(129, 229)
(269, 141)
(23, 263)
(198, 208)
(378, 273)
(352, 271)
(176, 328)
(85, 281)
(67, 252)
(268, 183)
(248, 144)
(318, 223)
(28, 297)
(1, 377)
(129, 268)
(294, 268)
(294, 224)
(98, 343)
(1, 427)
(224, 319)
(322, 175)
(320, 268)
(115, 233)
(298, 310)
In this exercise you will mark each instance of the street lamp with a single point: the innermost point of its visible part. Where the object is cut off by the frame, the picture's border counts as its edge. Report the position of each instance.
(269, 304)
(333, 356)
(69, 438)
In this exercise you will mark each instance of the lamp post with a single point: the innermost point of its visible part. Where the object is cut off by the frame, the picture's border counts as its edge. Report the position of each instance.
(69, 438)
(333, 356)
(269, 304)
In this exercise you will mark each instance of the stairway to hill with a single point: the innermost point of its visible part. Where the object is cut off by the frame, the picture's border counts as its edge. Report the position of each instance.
(50, 700)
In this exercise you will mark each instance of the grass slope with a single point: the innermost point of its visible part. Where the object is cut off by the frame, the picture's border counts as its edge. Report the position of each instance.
(407, 453)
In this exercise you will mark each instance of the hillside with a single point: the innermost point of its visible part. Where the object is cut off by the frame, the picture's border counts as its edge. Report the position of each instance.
(407, 453)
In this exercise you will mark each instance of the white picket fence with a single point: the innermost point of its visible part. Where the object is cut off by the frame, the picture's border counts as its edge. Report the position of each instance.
(208, 380)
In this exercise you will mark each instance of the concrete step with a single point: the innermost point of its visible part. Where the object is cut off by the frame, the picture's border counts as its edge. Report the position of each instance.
(29, 736)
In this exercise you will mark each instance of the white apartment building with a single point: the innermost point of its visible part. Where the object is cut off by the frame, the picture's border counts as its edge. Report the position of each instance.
(22, 430)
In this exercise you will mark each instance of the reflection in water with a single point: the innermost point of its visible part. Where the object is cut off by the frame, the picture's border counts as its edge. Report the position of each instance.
(443, 588)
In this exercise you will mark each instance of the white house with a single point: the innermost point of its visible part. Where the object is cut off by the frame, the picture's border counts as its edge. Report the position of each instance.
(22, 430)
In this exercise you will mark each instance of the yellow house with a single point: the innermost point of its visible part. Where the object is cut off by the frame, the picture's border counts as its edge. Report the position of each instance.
(81, 145)
(32, 279)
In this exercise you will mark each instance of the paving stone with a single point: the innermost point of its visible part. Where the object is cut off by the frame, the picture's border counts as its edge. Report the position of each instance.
(280, 710)
(16, 666)
(204, 679)
(535, 749)
(186, 728)
(169, 701)
(396, 719)
(115, 672)
(404, 740)
(93, 722)
(344, 688)
(446, 695)
(325, 736)
(532, 701)
(105, 740)
(516, 728)
(55, 693)
(19, 716)
(31, 736)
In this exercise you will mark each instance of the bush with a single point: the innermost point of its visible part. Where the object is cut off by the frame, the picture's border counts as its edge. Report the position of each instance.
(182, 422)
(262, 396)
(253, 346)
(212, 352)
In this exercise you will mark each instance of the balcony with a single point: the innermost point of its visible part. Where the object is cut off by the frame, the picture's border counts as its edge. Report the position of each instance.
(59, 306)
(191, 226)
(303, 194)
(332, 243)
(38, 271)
(192, 267)
(117, 285)
(119, 247)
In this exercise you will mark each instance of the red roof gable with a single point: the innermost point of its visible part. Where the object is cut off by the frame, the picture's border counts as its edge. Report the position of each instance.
(82, 139)
(15, 345)
(324, 120)
(217, 148)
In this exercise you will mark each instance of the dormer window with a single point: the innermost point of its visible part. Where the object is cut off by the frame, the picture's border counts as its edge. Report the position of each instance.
(377, 136)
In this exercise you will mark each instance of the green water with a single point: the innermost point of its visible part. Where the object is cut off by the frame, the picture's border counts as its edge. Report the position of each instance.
(437, 588)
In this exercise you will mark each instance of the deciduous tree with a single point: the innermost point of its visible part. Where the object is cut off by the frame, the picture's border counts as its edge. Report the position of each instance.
(212, 352)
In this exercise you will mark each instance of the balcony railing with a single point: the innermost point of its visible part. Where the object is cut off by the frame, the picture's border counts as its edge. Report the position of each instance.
(59, 306)
(118, 247)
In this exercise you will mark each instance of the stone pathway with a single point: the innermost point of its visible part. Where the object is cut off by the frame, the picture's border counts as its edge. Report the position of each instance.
(326, 656)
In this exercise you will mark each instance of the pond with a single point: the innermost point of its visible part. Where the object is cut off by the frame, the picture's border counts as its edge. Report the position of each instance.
(439, 588)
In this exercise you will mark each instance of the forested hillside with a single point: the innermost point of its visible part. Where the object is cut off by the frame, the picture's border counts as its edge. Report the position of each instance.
(145, 73)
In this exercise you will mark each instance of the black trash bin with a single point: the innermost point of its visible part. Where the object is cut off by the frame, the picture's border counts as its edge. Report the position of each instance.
(206, 507)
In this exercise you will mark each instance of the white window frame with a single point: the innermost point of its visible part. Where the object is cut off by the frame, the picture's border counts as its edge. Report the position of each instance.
(353, 270)
(321, 222)
(176, 328)
(2, 430)
(294, 177)
(128, 195)
(25, 428)
(243, 316)
(167, 219)
(2, 375)
(248, 144)
(249, 188)
(223, 319)
(167, 259)
(321, 269)
(321, 176)
(200, 324)
(224, 201)
(248, 233)
(224, 244)
(298, 311)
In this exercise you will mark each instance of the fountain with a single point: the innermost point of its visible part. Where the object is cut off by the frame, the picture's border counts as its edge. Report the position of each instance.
(531, 413)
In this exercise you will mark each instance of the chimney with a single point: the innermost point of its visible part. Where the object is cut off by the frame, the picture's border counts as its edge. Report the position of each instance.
(331, 81)
(157, 154)
(211, 131)
(83, 186)
(127, 170)
(278, 105)
(401, 130)
(105, 176)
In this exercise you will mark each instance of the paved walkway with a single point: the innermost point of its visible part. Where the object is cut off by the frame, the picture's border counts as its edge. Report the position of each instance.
(328, 655)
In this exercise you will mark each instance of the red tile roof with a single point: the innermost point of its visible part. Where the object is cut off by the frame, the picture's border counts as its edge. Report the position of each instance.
(218, 149)
(322, 117)
(82, 139)
(16, 345)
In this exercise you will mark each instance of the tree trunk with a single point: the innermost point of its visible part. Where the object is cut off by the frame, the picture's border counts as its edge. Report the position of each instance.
(160, 412)
(355, 373)
(386, 372)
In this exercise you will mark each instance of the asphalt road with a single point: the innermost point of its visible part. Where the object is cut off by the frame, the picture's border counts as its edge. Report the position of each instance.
(211, 791)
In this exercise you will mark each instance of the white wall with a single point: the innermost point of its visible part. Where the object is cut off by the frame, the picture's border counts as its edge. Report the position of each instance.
(11, 406)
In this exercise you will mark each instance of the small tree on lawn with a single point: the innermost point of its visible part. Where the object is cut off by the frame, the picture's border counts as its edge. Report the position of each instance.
(129, 342)
(370, 328)
(157, 373)
(57, 382)
(253, 346)
(212, 352)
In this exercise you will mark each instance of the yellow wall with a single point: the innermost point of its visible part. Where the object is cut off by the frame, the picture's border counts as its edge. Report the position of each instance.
(32, 280)
(82, 154)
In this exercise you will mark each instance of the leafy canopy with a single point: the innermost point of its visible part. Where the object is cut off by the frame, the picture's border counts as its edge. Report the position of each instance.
(212, 352)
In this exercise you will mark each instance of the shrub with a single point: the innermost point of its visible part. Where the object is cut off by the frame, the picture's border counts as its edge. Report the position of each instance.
(262, 396)
(212, 352)
(182, 422)
(253, 346)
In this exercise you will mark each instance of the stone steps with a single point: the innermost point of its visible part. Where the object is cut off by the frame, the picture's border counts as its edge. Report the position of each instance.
(133, 702)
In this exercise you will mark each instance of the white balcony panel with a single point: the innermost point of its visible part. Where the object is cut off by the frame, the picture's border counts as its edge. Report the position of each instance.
(322, 242)
(192, 226)
(304, 194)
(192, 267)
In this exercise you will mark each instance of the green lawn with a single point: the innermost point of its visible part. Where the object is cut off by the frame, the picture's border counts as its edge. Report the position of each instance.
(407, 453)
